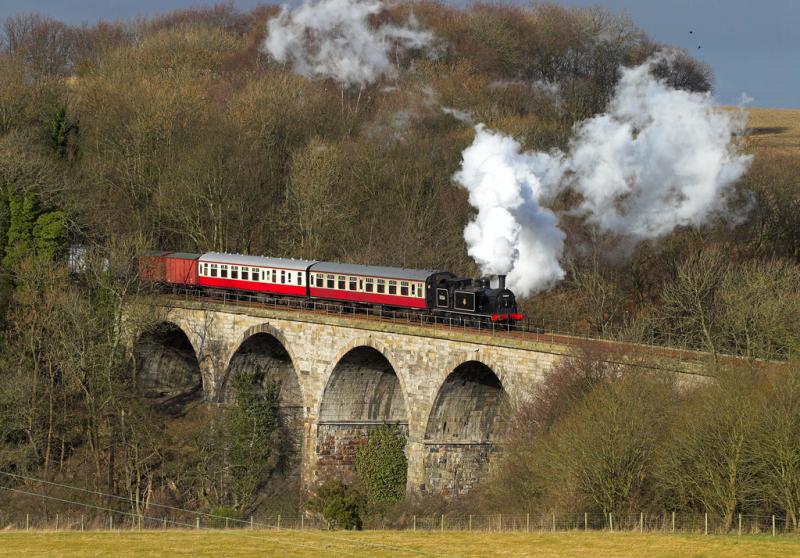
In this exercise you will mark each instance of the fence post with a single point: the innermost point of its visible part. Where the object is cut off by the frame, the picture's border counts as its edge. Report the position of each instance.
(611, 521)
(27, 522)
(527, 522)
(442, 523)
(302, 521)
(706, 520)
(673, 522)
(641, 522)
(279, 522)
(251, 522)
(585, 521)
(500, 518)
(470, 522)
(164, 524)
(197, 522)
(773, 524)
(554, 522)
(740, 525)
(81, 522)
(414, 523)
(110, 522)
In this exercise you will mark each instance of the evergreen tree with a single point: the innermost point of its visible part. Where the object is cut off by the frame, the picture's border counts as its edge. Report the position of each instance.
(23, 212)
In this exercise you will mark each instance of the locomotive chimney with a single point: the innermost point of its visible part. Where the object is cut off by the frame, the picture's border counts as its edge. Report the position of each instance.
(501, 282)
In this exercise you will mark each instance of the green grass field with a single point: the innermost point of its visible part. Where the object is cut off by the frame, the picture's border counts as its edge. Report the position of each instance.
(288, 544)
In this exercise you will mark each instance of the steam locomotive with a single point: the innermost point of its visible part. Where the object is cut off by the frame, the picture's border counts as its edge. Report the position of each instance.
(392, 288)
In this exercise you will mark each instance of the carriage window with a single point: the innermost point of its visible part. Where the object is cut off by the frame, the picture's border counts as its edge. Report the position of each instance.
(413, 289)
(381, 286)
(403, 288)
(223, 271)
(340, 283)
(392, 287)
(368, 285)
(283, 277)
(299, 278)
(245, 274)
(320, 280)
(420, 290)
(234, 272)
(274, 276)
(213, 270)
(353, 284)
(331, 282)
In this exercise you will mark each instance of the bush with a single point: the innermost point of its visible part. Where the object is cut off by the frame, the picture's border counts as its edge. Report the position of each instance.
(222, 516)
(381, 464)
(339, 504)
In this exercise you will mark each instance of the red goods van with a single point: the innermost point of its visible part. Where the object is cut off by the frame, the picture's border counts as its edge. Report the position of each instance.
(177, 268)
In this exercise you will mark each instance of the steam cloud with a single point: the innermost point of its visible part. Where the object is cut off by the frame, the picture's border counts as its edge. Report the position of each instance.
(511, 234)
(334, 38)
(658, 159)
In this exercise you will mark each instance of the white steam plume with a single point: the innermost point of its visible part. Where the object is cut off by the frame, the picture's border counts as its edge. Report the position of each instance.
(658, 159)
(334, 38)
(512, 234)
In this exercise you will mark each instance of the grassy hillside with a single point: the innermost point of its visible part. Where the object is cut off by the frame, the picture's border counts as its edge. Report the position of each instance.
(774, 130)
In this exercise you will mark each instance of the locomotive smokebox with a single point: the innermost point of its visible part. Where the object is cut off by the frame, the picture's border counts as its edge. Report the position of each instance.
(501, 282)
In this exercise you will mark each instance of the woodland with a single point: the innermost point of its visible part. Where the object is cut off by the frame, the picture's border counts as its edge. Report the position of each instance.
(179, 132)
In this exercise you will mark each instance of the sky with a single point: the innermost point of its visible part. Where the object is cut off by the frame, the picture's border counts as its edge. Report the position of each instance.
(752, 46)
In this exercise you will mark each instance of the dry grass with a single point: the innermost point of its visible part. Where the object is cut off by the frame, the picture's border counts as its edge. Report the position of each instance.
(773, 129)
(287, 544)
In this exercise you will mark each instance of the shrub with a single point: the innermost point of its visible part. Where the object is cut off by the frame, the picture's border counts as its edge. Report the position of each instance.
(381, 464)
(339, 504)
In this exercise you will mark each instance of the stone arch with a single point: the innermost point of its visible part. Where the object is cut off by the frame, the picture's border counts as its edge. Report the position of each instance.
(258, 337)
(367, 342)
(263, 353)
(465, 422)
(363, 391)
(468, 407)
(166, 367)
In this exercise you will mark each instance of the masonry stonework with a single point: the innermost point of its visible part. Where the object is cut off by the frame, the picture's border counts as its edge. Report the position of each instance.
(446, 388)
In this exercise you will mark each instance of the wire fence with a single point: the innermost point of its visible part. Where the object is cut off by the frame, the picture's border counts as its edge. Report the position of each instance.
(81, 519)
(81, 509)
(550, 332)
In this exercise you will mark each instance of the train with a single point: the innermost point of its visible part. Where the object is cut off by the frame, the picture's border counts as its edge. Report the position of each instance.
(437, 293)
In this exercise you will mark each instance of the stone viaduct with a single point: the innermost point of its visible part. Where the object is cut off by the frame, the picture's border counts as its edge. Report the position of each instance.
(447, 389)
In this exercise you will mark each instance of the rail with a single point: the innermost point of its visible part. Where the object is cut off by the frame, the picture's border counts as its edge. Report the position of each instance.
(534, 330)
